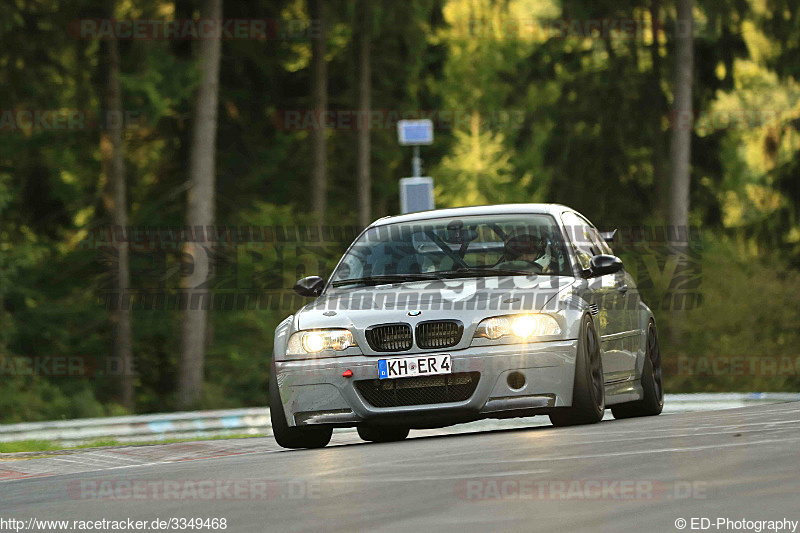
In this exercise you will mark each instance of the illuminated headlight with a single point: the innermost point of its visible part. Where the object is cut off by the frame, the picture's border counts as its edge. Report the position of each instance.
(315, 341)
(520, 327)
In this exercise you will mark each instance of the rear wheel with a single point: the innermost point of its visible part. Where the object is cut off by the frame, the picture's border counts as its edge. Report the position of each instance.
(588, 390)
(382, 433)
(652, 383)
(293, 437)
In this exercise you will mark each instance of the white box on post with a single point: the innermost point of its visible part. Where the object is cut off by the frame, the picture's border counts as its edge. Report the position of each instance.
(416, 194)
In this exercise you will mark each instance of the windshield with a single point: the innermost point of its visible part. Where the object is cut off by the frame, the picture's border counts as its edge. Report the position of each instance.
(482, 245)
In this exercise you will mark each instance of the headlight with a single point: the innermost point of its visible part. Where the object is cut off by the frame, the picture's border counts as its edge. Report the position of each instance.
(318, 340)
(520, 327)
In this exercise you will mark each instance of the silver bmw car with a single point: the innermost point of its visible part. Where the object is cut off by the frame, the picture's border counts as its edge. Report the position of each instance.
(448, 316)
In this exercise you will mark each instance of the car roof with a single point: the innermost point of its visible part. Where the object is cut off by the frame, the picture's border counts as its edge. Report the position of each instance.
(498, 209)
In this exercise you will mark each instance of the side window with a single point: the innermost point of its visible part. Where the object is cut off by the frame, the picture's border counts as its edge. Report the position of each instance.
(599, 243)
(580, 237)
(604, 245)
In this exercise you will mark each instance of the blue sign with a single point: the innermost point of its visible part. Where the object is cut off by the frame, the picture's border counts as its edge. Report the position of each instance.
(415, 132)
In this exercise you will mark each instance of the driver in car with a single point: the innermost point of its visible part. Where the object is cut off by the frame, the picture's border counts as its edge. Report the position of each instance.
(530, 252)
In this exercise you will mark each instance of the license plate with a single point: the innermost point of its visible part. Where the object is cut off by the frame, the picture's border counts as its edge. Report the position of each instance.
(420, 365)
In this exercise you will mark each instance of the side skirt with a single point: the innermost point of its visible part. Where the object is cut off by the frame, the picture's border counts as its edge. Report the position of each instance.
(624, 391)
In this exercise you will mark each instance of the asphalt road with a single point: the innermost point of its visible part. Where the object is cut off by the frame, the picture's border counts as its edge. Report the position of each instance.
(628, 475)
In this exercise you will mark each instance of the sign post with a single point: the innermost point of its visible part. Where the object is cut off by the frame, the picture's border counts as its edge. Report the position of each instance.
(416, 192)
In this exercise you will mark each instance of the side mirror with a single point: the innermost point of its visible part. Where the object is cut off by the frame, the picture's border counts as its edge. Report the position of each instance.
(600, 265)
(310, 286)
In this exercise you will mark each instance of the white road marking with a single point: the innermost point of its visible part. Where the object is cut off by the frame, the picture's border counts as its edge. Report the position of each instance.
(644, 452)
(352, 479)
(65, 460)
(113, 458)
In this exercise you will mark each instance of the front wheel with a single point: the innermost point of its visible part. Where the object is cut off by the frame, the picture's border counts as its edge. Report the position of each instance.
(293, 437)
(652, 401)
(588, 389)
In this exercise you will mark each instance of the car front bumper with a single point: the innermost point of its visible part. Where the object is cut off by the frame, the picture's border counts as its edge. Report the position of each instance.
(315, 392)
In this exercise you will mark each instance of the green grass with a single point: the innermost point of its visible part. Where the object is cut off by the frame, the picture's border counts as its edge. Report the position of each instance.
(28, 446)
(50, 446)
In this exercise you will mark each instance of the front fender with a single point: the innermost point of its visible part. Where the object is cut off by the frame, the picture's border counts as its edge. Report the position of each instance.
(282, 333)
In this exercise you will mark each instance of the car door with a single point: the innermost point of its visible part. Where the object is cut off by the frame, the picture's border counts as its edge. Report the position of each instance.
(624, 311)
(601, 295)
(629, 294)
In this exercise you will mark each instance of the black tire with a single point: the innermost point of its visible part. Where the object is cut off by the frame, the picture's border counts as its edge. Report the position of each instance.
(588, 390)
(382, 433)
(652, 383)
(293, 437)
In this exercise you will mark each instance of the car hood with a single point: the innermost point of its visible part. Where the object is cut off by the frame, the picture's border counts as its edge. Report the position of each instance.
(467, 300)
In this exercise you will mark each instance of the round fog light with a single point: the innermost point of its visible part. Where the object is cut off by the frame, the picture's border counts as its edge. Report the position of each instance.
(516, 380)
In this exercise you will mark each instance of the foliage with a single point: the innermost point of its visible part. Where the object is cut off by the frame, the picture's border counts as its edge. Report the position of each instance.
(749, 310)
(579, 120)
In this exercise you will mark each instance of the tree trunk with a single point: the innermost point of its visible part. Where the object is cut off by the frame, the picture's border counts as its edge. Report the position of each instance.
(114, 163)
(364, 105)
(680, 149)
(660, 178)
(200, 212)
(319, 93)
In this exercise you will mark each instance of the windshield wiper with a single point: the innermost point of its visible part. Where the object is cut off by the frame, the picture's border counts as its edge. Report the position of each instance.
(392, 278)
(484, 271)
